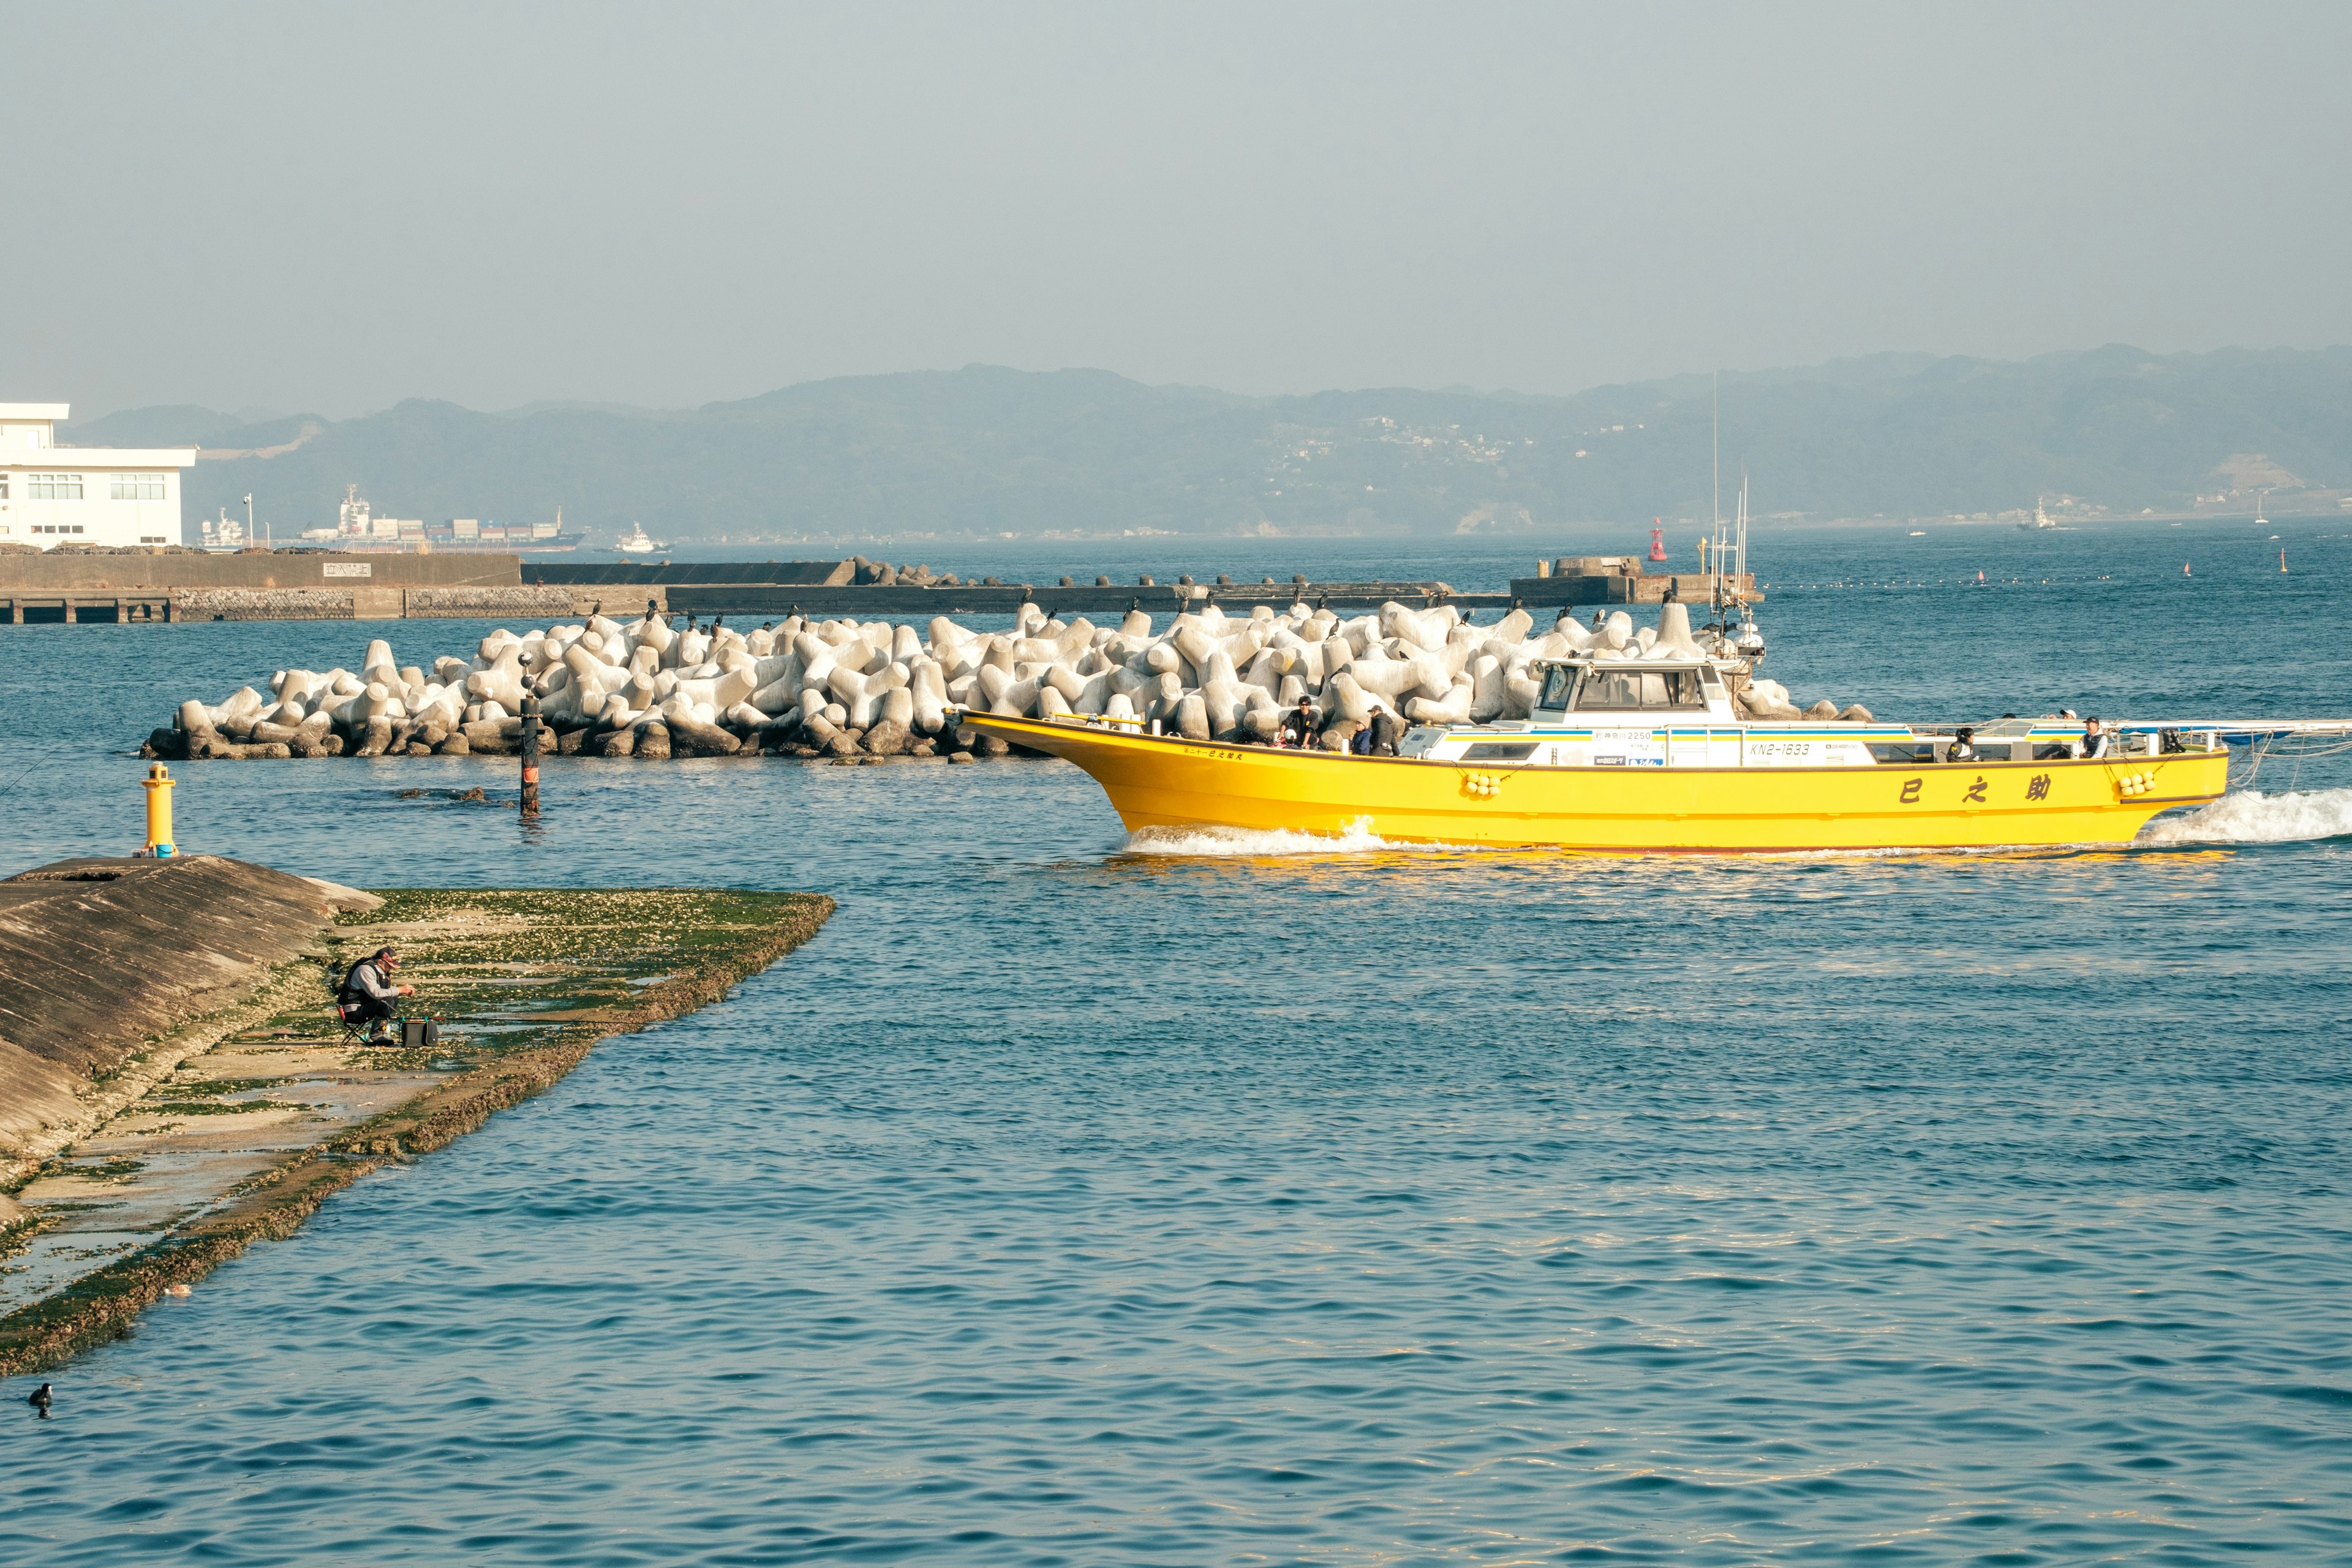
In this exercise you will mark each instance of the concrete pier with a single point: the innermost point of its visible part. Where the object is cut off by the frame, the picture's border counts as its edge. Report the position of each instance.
(144, 587)
(174, 1085)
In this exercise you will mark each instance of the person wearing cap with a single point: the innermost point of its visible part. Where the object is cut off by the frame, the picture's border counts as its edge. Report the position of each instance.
(1298, 725)
(1964, 745)
(2095, 739)
(369, 994)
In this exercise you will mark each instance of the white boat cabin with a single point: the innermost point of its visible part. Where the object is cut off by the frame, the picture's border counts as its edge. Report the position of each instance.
(1677, 712)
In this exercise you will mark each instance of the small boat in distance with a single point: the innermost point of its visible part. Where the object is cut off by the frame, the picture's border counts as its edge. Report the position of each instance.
(2261, 496)
(2041, 520)
(635, 542)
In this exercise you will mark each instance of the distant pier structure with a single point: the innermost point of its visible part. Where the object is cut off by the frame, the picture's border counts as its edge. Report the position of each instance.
(150, 585)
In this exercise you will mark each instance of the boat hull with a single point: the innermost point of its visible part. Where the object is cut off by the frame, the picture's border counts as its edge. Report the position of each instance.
(1164, 782)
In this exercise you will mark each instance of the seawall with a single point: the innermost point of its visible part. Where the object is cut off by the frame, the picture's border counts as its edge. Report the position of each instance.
(178, 1086)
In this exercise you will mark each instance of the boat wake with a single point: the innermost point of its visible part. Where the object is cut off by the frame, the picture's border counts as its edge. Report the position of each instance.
(1357, 839)
(2251, 817)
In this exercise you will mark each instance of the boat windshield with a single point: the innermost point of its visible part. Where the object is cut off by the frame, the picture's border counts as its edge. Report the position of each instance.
(1637, 691)
(1559, 682)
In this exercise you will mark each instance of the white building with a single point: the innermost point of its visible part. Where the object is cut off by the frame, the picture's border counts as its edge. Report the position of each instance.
(52, 495)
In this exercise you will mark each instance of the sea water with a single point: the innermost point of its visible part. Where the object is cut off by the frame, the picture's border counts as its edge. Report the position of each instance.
(1284, 1201)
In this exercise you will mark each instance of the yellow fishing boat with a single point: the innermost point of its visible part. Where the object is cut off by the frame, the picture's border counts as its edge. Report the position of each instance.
(1650, 754)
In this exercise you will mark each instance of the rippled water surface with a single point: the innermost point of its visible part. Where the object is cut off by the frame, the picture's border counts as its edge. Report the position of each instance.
(1061, 1204)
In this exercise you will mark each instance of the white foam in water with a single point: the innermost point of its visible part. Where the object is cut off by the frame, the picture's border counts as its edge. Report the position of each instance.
(2251, 817)
(1356, 839)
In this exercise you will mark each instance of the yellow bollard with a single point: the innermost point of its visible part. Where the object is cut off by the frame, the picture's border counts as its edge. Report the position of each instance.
(158, 785)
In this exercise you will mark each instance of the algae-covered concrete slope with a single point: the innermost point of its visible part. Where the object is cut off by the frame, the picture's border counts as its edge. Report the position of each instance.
(101, 958)
(275, 1106)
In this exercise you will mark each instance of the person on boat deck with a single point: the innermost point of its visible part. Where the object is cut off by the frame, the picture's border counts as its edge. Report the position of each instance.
(1360, 742)
(1388, 730)
(1964, 746)
(369, 991)
(1298, 725)
(2094, 739)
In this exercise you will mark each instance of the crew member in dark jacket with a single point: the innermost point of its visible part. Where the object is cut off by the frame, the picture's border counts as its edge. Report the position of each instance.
(1298, 725)
(369, 993)
(1387, 731)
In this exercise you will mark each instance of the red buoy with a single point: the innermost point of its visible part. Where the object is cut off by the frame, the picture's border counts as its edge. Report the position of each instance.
(1657, 541)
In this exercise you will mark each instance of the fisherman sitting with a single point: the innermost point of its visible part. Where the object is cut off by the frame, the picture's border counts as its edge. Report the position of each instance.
(368, 993)
(2094, 743)
(1387, 732)
(1298, 725)
(1964, 746)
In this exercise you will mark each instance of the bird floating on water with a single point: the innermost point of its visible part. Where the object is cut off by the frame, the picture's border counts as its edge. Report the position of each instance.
(39, 1400)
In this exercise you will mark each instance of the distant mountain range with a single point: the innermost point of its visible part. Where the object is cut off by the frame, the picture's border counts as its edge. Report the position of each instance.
(985, 452)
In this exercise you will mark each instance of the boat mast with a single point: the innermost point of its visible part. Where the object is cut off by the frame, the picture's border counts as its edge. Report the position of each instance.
(1718, 452)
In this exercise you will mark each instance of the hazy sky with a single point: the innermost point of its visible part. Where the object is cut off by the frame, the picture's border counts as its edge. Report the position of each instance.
(334, 207)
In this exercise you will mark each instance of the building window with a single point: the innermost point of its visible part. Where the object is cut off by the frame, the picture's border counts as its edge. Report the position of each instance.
(151, 539)
(138, 487)
(53, 487)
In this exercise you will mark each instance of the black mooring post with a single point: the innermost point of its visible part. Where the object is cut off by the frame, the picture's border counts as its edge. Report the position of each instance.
(530, 756)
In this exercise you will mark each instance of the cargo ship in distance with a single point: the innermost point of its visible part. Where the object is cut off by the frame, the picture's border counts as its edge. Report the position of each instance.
(358, 527)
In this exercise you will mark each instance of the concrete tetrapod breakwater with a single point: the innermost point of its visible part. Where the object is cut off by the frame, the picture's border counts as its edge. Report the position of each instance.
(849, 689)
(193, 1092)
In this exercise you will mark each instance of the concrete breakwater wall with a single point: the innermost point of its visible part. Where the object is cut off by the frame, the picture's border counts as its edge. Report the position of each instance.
(848, 690)
(367, 604)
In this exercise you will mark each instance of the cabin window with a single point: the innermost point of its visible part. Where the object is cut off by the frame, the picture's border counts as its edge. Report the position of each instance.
(1499, 752)
(1605, 691)
(1559, 682)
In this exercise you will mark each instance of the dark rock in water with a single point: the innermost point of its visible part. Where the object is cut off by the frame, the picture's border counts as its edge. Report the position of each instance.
(408, 794)
(966, 737)
(433, 734)
(959, 756)
(494, 737)
(415, 748)
(990, 746)
(842, 745)
(331, 746)
(571, 742)
(379, 738)
(454, 746)
(888, 739)
(618, 743)
(692, 738)
(653, 742)
(167, 743)
(923, 747)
